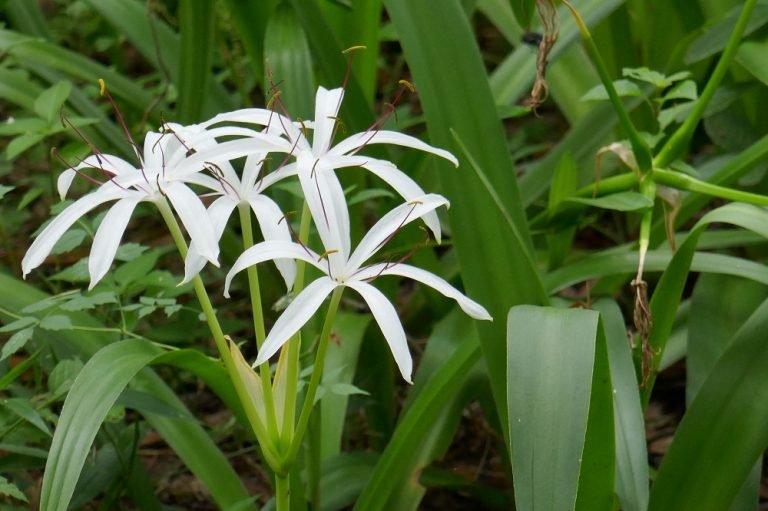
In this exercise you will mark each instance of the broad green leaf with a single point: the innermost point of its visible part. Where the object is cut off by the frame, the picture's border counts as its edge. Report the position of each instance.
(196, 25)
(290, 63)
(485, 253)
(622, 201)
(629, 426)
(524, 11)
(343, 477)
(19, 324)
(5, 189)
(49, 103)
(92, 394)
(21, 143)
(552, 378)
(19, 126)
(725, 422)
(62, 376)
(623, 88)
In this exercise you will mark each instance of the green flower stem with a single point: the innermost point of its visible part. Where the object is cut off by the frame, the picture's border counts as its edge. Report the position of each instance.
(293, 350)
(641, 150)
(257, 311)
(317, 374)
(689, 183)
(680, 138)
(648, 189)
(220, 340)
(283, 492)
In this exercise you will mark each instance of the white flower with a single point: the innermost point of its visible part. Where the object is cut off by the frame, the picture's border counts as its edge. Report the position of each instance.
(343, 268)
(316, 161)
(155, 179)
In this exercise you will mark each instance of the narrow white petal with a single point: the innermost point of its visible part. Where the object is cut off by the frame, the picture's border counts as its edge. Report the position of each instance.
(469, 306)
(394, 177)
(64, 182)
(109, 163)
(108, 237)
(264, 182)
(295, 316)
(386, 316)
(327, 103)
(43, 244)
(267, 251)
(389, 224)
(231, 150)
(252, 170)
(195, 220)
(276, 124)
(359, 140)
(274, 227)
(218, 213)
(325, 199)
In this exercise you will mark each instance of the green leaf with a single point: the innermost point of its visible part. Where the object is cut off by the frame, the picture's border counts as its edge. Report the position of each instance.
(726, 421)
(5, 189)
(16, 342)
(19, 324)
(623, 87)
(289, 61)
(28, 197)
(49, 103)
(622, 201)
(24, 409)
(556, 372)
(643, 74)
(631, 451)
(20, 126)
(70, 240)
(80, 303)
(683, 90)
(56, 322)
(8, 489)
(485, 253)
(63, 375)
(524, 10)
(21, 143)
(749, 55)
(92, 395)
(196, 25)
(713, 41)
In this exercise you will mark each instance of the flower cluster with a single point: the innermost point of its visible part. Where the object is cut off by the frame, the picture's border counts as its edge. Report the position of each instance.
(201, 156)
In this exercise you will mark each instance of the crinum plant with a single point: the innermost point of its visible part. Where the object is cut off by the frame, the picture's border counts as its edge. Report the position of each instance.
(180, 167)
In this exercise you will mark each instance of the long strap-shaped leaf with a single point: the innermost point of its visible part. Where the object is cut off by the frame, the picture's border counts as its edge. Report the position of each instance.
(560, 410)
(93, 393)
(724, 428)
(453, 88)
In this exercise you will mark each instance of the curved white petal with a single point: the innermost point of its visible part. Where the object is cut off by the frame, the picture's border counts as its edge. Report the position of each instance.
(327, 103)
(394, 177)
(264, 182)
(108, 162)
(43, 244)
(195, 220)
(386, 316)
(355, 142)
(295, 316)
(326, 201)
(389, 224)
(218, 213)
(230, 150)
(274, 227)
(64, 182)
(108, 237)
(267, 251)
(252, 170)
(469, 306)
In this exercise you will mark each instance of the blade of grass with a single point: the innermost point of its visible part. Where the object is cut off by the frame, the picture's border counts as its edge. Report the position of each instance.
(197, 31)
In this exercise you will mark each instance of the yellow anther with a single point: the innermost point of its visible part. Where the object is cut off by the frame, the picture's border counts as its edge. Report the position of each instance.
(353, 49)
(408, 85)
(102, 87)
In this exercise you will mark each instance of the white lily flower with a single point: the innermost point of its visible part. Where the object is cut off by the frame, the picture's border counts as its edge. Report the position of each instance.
(342, 268)
(154, 180)
(316, 161)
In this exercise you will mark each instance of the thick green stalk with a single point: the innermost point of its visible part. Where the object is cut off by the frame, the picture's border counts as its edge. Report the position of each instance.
(257, 312)
(293, 351)
(689, 183)
(219, 339)
(283, 492)
(641, 150)
(680, 138)
(317, 374)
